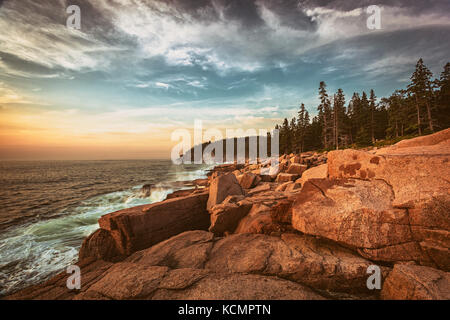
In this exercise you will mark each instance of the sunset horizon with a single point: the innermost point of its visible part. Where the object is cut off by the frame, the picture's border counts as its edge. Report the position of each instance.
(224, 159)
(118, 87)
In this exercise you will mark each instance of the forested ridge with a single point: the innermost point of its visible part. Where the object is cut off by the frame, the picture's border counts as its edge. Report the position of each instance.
(422, 107)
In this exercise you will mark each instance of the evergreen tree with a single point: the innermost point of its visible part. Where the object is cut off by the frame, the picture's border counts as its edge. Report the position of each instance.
(363, 137)
(353, 113)
(365, 120)
(313, 134)
(397, 109)
(324, 113)
(361, 119)
(421, 88)
(338, 116)
(381, 122)
(358, 119)
(302, 126)
(364, 116)
(293, 136)
(443, 99)
(285, 137)
(372, 110)
(306, 129)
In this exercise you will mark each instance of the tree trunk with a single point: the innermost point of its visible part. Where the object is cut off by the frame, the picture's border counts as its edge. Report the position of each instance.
(430, 121)
(396, 128)
(372, 125)
(303, 143)
(418, 115)
(336, 138)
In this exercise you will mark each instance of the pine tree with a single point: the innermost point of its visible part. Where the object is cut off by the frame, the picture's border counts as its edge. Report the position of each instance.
(293, 135)
(393, 107)
(306, 121)
(285, 137)
(364, 116)
(372, 110)
(338, 116)
(443, 99)
(381, 122)
(324, 113)
(313, 134)
(353, 112)
(421, 88)
(361, 116)
(302, 125)
(407, 112)
(362, 137)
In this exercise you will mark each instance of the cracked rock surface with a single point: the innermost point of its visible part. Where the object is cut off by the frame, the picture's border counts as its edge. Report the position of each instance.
(269, 240)
(409, 282)
(198, 265)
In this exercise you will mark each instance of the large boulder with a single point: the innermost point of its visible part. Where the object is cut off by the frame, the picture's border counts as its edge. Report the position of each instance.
(410, 282)
(197, 265)
(391, 206)
(318, 172)
(414, 175)
(99, 245)
(344, 211)
(126, 280)
(258, 220)
(281, 212)
(226, 216)
(181, 193)
(360, 214)
(126, 231)
(218, 286)
(296, 168)
(146, 190)
(300, 259)
(249, 180)
(133, 281)
(286, 177)
(186, 250)
(429, 240)
(221, 187)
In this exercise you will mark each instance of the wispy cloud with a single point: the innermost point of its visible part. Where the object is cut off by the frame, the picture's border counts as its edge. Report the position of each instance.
(140, 66)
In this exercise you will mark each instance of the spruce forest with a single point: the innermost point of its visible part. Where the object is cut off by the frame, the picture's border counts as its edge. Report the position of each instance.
(422, 107)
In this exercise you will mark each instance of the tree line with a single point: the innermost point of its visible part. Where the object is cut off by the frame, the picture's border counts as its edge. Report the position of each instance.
(423, 107)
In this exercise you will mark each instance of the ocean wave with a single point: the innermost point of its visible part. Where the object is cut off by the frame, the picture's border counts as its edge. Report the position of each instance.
(33, 252)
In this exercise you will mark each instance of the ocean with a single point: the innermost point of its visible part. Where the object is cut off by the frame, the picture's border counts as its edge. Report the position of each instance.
(47, 208)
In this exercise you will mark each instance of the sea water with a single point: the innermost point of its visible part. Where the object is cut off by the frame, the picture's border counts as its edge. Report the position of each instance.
(47, 208)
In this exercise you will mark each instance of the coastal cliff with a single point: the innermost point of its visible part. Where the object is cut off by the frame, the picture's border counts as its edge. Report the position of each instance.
(309, 231)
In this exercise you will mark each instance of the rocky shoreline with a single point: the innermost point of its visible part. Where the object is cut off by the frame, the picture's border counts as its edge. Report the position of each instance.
(309, 231)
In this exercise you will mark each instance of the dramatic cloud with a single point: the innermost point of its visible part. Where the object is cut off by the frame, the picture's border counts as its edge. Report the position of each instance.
(230, 61)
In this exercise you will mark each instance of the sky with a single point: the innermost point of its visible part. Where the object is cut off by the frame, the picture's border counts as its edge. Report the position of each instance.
(138, 70)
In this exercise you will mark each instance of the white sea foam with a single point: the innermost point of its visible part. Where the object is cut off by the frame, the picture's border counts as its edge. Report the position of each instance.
(33, 252)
